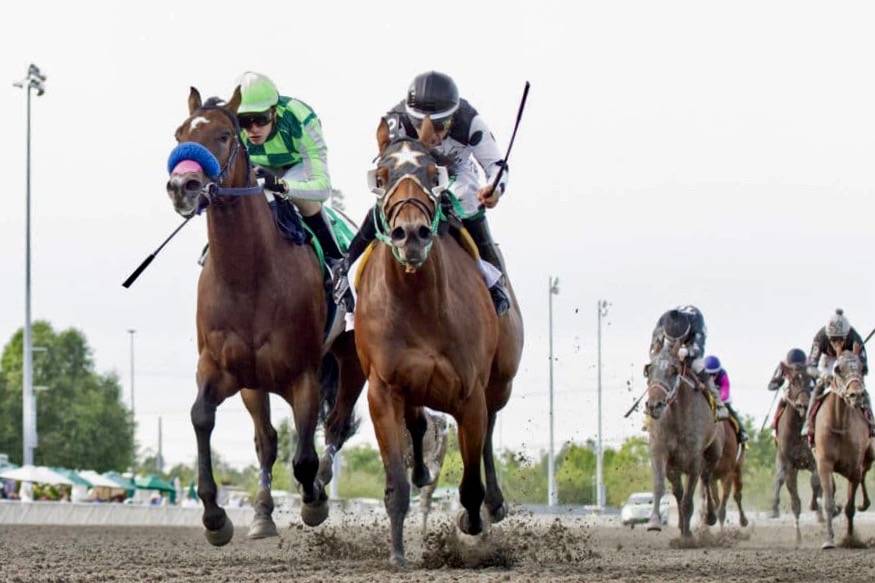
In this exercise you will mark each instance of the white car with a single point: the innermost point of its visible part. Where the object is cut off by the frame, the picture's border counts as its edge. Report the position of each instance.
(638, 507)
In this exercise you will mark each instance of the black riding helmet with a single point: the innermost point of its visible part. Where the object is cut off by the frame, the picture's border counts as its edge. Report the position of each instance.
(676, 325)
(432, 94)
(796, 357)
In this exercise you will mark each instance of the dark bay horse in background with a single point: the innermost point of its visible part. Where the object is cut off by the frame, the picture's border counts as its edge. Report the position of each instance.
(261, 314)
(726, 477)
(841, 439)
(684, 437)
(793, 452)
(428, 336)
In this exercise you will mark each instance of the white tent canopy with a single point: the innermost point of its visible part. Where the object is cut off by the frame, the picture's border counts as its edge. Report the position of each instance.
(98, 481)
(37, 474)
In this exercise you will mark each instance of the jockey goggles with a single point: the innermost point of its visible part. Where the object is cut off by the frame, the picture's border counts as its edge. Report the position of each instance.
(259, 119)
(440, 124)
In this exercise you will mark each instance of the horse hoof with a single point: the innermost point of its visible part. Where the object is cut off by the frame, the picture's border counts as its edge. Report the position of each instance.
(775, 514)
(743, 521)
(498, 514)
(863, 507)
(711, 519)
(828, 545)
(465, 526)
(262, 527)
(655, 525)
(315, 514)
(221, 536)
(397, 560)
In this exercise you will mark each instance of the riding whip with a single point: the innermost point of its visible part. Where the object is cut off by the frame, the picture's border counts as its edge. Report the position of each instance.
(133, 277)
(872, 333)
(519, 117)
(769, 412)
(635, 404)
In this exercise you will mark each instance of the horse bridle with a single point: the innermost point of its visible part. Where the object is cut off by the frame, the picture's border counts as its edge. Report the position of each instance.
(213, 189)
(384, 215)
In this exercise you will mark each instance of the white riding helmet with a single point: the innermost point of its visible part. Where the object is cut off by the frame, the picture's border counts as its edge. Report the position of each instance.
(838, 325)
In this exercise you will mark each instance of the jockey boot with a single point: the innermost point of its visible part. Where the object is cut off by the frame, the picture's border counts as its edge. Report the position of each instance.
(334, 258)
(742, 434)
(479, 230)
(318, 224)
(722, 412)
(340, 270)
(818, 389)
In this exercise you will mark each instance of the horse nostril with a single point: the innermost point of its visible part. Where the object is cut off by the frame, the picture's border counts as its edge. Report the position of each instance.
(398, 234)
(424, 233)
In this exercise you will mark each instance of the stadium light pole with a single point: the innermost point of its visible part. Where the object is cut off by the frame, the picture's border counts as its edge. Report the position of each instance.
(35, 80)
(131, 332)
(600, 455)
(553, 289)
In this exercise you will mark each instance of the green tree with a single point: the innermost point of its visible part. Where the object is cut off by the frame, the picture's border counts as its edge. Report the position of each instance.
(81, 422)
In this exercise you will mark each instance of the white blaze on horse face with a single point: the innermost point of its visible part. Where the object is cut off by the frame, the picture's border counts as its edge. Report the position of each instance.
(406, 156)
(199, 120)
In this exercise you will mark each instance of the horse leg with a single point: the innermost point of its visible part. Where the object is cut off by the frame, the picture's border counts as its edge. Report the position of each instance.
(387, 415)
(824, 469)
(471, 418)
(677, 488)
(865, 505)
(494, 498)
(214, 386)
(738, 486)
(657, 465)
(726, 486)
(305, 464)
(258, 405)
(795, 502)
(417, 425)
(688, 501)
(816, 492)
(425, 496)
(780, 477)
(851, 508)
(341, 422)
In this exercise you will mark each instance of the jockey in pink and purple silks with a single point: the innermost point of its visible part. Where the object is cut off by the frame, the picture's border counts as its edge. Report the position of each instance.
(721, 381)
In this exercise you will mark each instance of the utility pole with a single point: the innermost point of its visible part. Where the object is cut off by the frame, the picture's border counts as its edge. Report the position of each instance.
(35, 80)
(600, 457)
(553, 289)
(160, 460)
(131, 332)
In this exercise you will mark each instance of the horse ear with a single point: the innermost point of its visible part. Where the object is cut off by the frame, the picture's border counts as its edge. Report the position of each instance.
(427, 135)
(382, 135)
(234, 102)
(858, 348)
(194, 101)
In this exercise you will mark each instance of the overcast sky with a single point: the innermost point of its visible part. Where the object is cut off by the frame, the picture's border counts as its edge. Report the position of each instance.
(718, 154)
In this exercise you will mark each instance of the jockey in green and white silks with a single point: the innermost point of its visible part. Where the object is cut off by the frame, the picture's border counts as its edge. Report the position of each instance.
(283, 136)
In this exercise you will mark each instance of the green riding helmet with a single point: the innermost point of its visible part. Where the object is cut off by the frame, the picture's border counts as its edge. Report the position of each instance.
(258, 93)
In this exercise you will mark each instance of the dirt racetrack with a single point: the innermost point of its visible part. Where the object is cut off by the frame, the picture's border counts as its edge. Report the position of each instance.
(356, 548)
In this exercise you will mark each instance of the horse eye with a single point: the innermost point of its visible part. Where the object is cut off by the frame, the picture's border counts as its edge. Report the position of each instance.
(225, 137)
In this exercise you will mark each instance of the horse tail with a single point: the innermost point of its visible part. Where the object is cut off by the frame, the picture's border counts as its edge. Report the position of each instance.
(329, 385)
(329, 379)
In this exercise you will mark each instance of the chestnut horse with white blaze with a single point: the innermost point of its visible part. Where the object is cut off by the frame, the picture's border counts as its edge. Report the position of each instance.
(428, 336)
(261, 316)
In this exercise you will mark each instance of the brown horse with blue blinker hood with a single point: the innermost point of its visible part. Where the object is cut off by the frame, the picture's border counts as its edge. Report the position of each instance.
(428, 336)
(261, 316)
